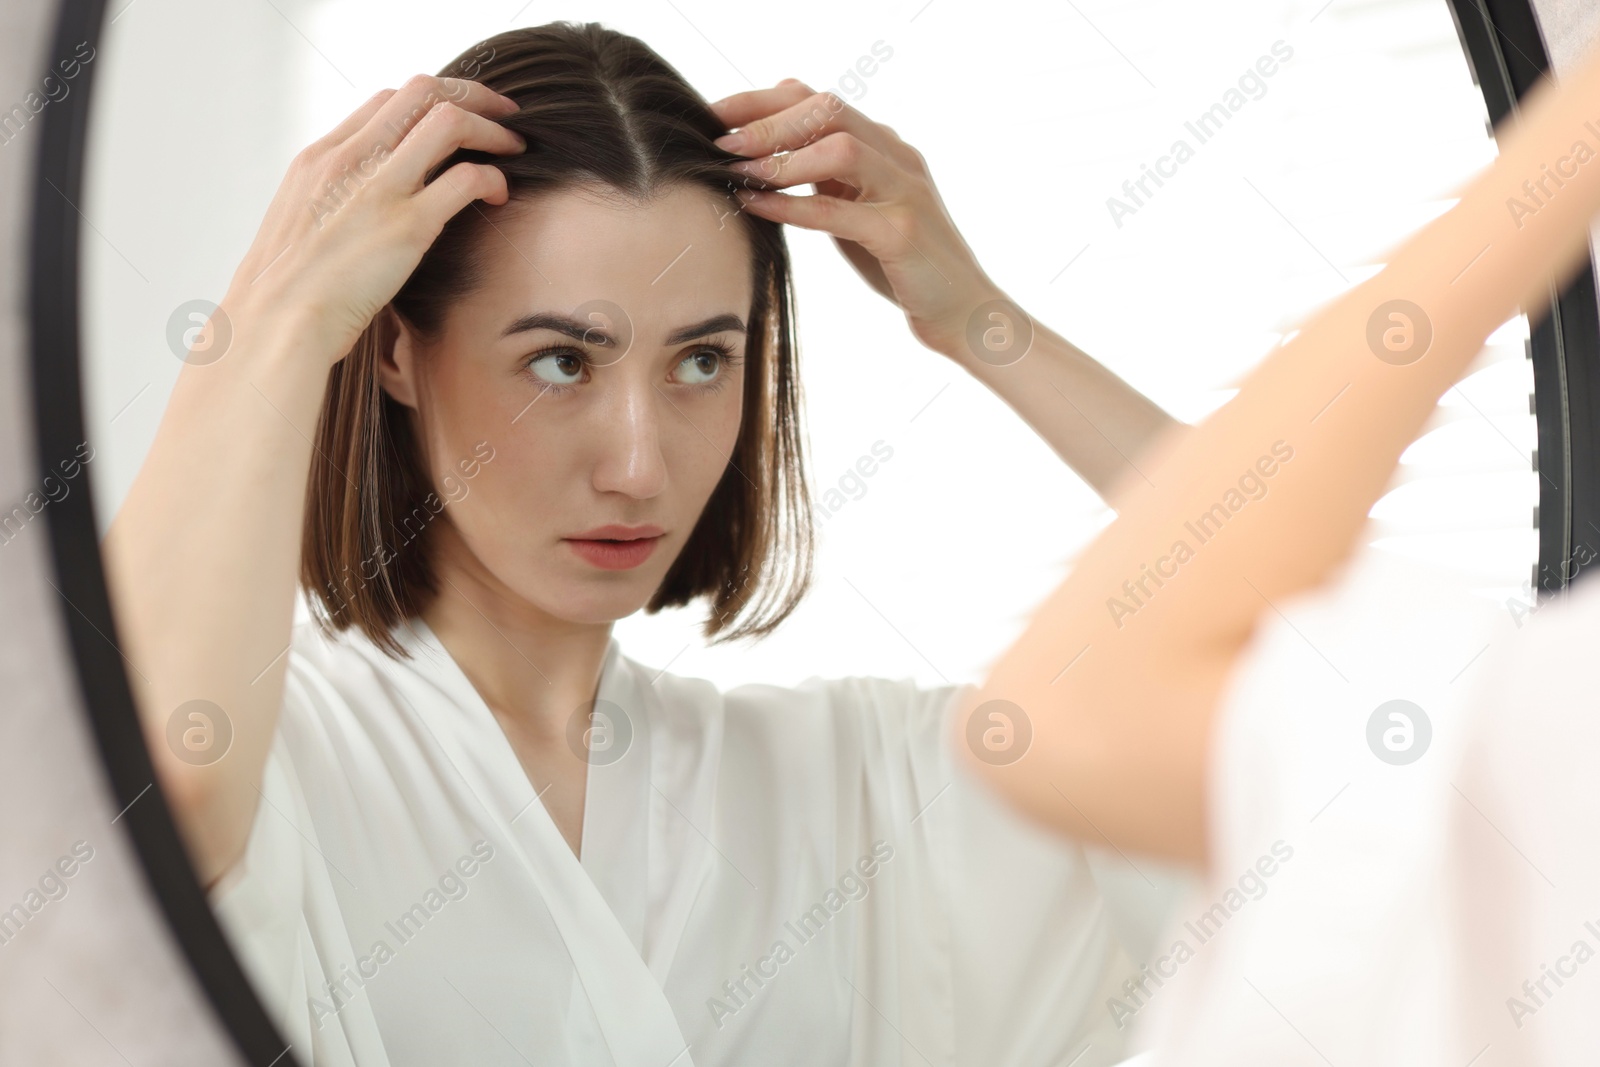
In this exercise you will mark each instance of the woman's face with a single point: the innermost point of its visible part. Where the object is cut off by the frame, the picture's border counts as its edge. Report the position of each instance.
(537, 438)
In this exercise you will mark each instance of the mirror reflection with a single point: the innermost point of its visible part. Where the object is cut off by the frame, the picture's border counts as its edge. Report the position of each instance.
(546, 654)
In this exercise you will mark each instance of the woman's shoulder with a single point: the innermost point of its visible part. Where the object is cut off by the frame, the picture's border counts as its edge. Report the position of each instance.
(850, 688)
(341, 681)
(844, 702)
(338, 653)
(320, 657)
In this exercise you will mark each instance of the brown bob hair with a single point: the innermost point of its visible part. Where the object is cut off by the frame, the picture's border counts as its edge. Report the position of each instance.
(597, 106)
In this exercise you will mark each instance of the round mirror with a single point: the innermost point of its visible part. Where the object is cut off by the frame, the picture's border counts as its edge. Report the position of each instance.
(541, 654)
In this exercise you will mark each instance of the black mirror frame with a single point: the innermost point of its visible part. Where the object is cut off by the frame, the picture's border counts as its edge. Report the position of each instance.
(54, 307)
(1507, 55)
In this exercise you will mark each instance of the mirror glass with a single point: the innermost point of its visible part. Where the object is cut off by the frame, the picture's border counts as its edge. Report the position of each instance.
(560, 827)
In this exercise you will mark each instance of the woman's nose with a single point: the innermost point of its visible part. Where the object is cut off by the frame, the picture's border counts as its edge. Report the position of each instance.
(631, 459)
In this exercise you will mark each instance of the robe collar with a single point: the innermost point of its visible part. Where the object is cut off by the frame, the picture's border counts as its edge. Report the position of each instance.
(601, 905)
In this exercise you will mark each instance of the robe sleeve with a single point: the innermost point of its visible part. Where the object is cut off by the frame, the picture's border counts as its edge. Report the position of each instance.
(1037, 931)
(278, 908)
(1420, 898)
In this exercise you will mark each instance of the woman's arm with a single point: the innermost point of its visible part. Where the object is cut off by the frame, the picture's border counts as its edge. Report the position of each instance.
(878, 201)
(203, 557)
(1266, 498)
(1097, 423)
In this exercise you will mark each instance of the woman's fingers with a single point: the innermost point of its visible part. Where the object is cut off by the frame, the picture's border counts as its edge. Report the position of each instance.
(457, 187)
(851, 220)
(743, 108)
(405, 132)
(789, 116)
(874, 196)
(417, 97)
(842, 157)
(441, 131)
(368, 226)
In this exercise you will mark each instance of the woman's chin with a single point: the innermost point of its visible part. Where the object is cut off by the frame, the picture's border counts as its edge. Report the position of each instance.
(595, 601)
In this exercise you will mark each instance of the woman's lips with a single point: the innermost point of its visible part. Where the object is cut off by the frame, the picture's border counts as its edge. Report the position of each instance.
(614, 555)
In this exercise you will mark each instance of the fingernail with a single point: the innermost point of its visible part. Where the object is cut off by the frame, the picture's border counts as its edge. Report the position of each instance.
(511, 105)
(731, 142)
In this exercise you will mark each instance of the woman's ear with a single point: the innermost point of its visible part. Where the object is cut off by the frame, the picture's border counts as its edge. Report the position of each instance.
(398, 360)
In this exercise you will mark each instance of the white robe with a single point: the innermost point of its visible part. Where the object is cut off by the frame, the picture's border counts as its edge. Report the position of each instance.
(1436, 913)
(769, 875)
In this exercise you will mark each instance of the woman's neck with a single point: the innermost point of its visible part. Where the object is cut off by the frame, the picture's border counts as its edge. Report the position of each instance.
(535, 671)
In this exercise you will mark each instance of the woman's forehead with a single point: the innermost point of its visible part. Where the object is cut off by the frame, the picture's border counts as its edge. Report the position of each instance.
(679, 237)
(661, 264)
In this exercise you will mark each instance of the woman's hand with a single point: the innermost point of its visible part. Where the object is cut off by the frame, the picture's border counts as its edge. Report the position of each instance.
(352, 218)
(873, 195)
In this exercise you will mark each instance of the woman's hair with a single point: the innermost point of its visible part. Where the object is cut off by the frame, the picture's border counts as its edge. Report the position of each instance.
(597, 106)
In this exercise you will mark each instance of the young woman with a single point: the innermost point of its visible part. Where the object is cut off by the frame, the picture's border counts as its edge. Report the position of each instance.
(511, 358)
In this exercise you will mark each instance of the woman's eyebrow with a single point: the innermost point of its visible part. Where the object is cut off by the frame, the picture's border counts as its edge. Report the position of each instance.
(590, 333)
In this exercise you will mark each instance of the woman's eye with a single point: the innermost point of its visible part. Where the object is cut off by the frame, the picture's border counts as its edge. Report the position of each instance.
(702, 367)
(553, 367)
(565, 367)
